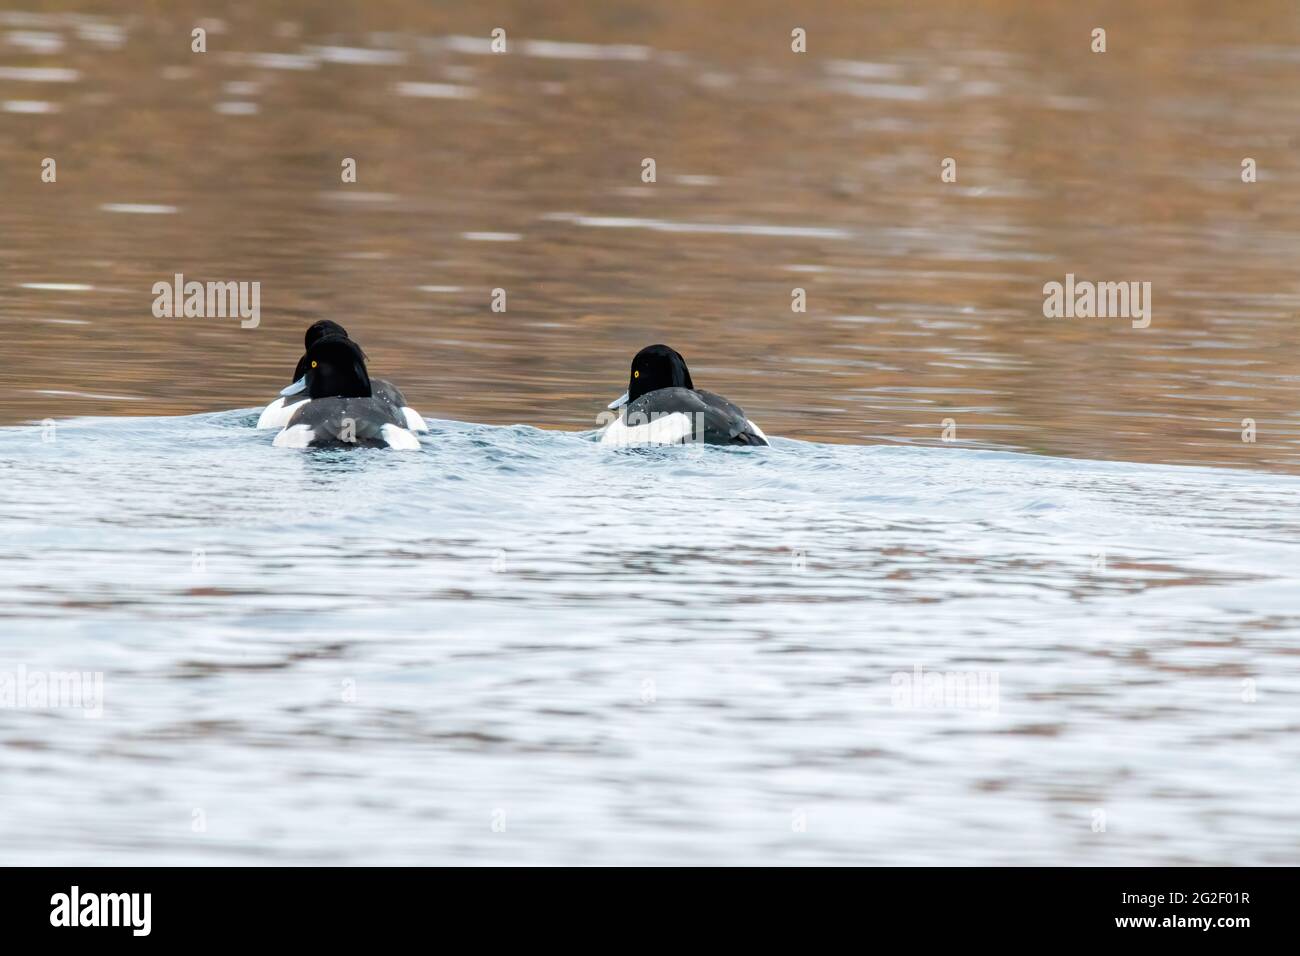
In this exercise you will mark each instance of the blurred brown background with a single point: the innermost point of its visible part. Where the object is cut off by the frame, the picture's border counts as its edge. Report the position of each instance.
(775, 170)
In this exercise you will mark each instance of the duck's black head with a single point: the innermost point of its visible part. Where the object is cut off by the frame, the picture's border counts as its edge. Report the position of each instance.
(336, 367)
(318, 330)
(656, 367)
(315, 332)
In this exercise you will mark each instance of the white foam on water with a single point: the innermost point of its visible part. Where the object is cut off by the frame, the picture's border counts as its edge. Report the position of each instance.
(357, 56)
(38, 42)
(39, 74)
(275, 61)
(140, 208)
(861, 70)
(236, 108)
(95, 395)
(879, 91)
(345, 194)
(491, 236)
(440, 91)
(557, 50)
(719, 228)
(28, 106)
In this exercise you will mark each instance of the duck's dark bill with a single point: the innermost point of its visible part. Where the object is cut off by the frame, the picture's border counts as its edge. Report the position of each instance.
(618, 402)
(295, 388)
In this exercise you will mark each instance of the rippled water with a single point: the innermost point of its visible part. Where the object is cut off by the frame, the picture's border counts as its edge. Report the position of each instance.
(677, 655)
(775, 171)
(518, 646)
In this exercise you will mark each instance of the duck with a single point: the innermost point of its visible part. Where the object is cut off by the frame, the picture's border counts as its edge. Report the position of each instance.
(342, 409)
(278, 413)
(662, 406)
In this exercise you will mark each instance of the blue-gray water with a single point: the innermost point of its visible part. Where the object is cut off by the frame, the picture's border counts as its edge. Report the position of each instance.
(519, 646)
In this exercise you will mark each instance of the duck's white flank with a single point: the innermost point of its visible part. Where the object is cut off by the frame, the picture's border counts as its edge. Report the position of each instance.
(664, 430)
(277, 414)
(296, 436)
(399, 437)
(413, 420)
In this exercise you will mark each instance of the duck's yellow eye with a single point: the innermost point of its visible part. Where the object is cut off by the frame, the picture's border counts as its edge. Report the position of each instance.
(313, 364)
(634, 374)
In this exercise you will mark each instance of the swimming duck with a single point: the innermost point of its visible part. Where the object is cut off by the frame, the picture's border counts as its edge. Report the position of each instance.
(278, 413)
(342, 409)
(662, 406)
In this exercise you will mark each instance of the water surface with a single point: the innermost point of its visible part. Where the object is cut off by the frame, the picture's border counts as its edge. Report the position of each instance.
(662, 656)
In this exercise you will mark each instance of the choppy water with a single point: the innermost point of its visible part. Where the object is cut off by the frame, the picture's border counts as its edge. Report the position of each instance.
(519, 646)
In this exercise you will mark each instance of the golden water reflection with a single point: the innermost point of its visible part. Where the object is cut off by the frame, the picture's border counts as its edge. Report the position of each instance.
(775, 171)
